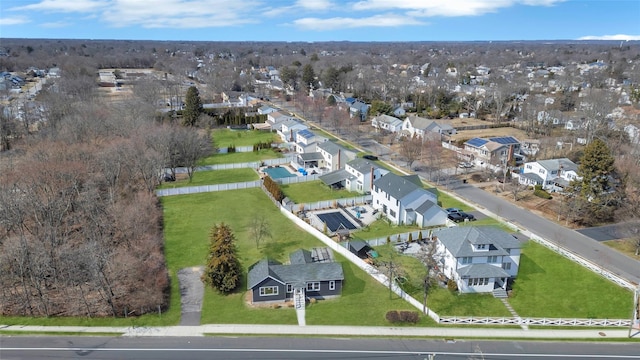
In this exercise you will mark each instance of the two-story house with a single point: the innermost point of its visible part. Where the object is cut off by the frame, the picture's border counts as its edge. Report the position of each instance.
(421, 127)
(479, 259)
(275, 119)
(552, 175)
(497, 151)
(403, 200)
(289, 128)
(358, 175)
(386, 122)
(306, 141)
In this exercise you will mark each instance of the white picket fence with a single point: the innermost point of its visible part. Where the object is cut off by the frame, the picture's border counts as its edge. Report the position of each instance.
(466, 320)
(358, 200)
(296, 179)
(375, 273)
(208, 188)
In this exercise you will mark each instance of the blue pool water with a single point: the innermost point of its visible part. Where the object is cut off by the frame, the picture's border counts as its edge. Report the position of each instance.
(277, 172)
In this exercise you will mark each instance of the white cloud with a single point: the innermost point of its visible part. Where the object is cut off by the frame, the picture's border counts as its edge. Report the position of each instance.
(56, 24)
(611, 37)
(336, 23)
(315, 4)
(65, 6)
(447, 8)
(180, 13)
(8, 21)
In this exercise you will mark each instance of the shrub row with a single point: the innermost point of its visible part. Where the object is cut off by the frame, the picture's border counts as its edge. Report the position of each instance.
(273, 188)
(541, 193)
(395, 316)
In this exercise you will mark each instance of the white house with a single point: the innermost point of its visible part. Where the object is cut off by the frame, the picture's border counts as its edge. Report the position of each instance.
(479, 259)
(266, 109)
(358, 175)
(333, 155)
(306, 141)
(417, 126)
(275, 119)
(289, 128)
(404, 201)
(552, 174)
(386, 122)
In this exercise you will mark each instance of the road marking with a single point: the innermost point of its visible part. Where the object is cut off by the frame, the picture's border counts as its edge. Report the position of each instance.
(379, 352)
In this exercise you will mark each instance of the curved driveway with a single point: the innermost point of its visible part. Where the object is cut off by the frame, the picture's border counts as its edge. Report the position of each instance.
(582, 245)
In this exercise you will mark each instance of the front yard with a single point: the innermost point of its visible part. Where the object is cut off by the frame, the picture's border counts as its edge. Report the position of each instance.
(223, 138)
(214, 177)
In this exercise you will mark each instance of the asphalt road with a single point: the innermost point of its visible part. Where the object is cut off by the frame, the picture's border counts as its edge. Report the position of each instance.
(29, 347)
(578, 243)
(606, 232)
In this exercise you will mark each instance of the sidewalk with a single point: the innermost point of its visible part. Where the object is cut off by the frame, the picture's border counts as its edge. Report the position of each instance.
(251, 329)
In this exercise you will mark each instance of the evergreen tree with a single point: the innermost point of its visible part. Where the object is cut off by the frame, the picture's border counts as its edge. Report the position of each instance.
(192, 107)
(222, 270)
(595, 196)
(308, 76)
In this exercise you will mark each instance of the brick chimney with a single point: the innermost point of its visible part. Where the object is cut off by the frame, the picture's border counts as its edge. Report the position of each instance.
(371, 186)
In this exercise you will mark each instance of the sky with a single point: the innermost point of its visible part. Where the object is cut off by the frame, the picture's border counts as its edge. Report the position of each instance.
(322, 20)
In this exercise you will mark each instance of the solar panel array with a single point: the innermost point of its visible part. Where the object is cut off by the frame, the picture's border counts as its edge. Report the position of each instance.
(504, 140)
(477, 142)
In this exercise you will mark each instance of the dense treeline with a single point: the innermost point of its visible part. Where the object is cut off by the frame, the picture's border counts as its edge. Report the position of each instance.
(80, 226)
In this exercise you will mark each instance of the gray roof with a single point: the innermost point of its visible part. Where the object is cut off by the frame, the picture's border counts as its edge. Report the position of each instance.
(459, 240)
(362, 166)
(300, 256)
(391, 120)
(425, 206)
(555, 164)
(533, 176)
(335, 176)
(358, 245)
(482, 271)
(398, 186)
(294, 273)
(311, 156)
(330, 147)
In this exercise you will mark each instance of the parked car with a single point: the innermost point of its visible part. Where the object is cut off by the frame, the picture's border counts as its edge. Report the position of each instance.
(453, 210)
(455, 217)
(465, 165)
(370, 157)
(470, 217)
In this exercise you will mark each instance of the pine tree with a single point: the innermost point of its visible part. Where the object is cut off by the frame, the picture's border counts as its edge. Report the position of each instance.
(308, 76)
(223, 268)
(192, 107)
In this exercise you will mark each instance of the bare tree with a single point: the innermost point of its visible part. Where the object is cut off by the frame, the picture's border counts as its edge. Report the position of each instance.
(516, 188)
(259, 228)
(410, 149)
(429, 257)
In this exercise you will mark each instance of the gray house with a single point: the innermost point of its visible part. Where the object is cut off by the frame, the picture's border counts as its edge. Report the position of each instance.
(310, 274)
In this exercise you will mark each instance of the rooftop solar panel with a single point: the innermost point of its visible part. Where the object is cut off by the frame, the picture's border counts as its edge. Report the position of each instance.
(477, 142)
(504, 140)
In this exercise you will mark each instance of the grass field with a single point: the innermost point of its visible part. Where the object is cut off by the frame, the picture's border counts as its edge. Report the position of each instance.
(188, 219)
(223, 138)
(314, 191)
(214, 177)
(625, 246)
(549, 285)
(381, 227)
(240, 157)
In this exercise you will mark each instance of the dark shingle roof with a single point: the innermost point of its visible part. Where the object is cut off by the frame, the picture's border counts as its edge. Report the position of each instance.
(362, 166)
(335, 177)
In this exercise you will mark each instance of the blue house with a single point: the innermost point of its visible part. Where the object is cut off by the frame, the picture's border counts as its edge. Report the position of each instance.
(309, 274)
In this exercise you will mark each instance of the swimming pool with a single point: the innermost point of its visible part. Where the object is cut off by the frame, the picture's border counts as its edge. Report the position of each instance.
(277, 172)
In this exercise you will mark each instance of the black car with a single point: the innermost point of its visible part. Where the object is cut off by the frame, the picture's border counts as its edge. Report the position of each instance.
(466, 216)
(456, 217)
(370, 157)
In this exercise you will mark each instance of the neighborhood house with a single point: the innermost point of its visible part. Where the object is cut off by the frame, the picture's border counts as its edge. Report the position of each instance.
(403, 200)
(479, 259)
(552, 175)
(309, 274)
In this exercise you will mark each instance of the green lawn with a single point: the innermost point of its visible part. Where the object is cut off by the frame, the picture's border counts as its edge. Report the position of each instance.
(188, 219)
(226, 137)
(238, 157)
(549, 285)
(381, 227)
(441, 300)
(314, 191)
(214, 177)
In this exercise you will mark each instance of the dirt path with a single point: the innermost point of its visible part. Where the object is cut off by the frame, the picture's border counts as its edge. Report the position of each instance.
(191, 294)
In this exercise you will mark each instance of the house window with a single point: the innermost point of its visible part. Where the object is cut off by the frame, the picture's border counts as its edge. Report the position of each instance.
(313, 286)
(289, 288)
(478, 281)
(506, 266)
(492, 259)
(268, 290)
(482, 246)
(467, 260)
(332, 285)
(392, 213)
